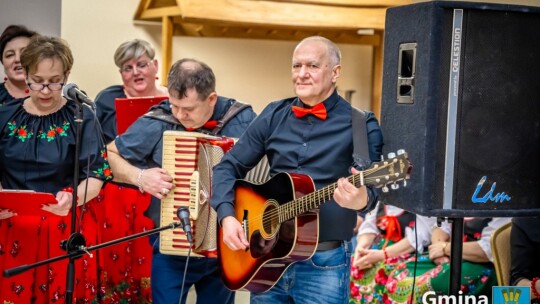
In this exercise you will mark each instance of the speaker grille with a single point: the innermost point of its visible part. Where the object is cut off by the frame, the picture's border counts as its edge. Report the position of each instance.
(499, 134)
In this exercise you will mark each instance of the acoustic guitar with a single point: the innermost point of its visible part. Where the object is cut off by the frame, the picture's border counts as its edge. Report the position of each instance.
(280, 221)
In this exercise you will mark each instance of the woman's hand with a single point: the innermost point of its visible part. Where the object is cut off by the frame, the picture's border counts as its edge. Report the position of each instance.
(368, 258)
(441, 260)
(437, 251)
(5, 214)
(63, 207)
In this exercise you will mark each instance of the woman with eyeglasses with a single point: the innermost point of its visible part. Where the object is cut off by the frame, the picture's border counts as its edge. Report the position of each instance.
(12, 41)
(138, 69)
(123, 205)
(37, 140)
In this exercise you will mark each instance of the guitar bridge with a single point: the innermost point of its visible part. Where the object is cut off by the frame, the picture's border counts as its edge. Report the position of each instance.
(245, 226)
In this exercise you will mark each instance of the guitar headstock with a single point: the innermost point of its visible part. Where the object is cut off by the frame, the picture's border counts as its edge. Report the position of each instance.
(390, 171)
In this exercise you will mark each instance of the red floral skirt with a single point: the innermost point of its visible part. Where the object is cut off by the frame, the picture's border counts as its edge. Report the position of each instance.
(125, 267)
(26, 240)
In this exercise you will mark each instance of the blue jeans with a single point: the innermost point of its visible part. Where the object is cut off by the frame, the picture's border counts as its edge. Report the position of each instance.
(204, 273)
(322, 279)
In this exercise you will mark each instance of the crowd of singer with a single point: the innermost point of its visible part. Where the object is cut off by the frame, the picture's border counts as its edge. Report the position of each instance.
(367, 251)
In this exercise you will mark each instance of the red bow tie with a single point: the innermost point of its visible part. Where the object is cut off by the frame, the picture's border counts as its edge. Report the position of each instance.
(318, 111)
(210, 125)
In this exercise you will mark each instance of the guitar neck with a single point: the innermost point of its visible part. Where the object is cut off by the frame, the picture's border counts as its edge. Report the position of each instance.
(379, 174)
(314, 199)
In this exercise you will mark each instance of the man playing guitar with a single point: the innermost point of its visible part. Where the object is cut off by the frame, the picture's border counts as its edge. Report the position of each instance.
(310, 134)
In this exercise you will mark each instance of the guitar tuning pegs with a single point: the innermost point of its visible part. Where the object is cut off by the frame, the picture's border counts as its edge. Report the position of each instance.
(394, 186)
(400, 152)
(391, 155)
(385, 189)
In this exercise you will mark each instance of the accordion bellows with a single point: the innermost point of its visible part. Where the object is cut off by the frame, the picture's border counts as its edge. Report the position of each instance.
(189, 158)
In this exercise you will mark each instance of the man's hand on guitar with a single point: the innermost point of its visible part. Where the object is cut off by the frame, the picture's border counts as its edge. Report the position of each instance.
(348, 196)
(233, 234)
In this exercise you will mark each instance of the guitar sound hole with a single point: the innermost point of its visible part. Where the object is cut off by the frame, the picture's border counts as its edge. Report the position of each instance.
(270, 220)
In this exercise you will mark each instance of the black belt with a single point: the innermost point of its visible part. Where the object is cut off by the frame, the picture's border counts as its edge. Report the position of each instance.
(328, 245)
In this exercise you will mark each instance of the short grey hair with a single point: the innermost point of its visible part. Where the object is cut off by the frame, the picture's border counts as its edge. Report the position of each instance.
(333, 50)
(132, 49)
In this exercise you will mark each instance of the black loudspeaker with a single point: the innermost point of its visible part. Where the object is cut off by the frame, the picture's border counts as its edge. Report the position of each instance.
(461, 94)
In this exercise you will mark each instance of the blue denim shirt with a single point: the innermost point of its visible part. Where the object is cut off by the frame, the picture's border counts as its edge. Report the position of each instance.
(321, 149)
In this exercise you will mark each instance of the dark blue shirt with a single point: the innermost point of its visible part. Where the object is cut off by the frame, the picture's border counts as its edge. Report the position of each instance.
(4, 94)
(321, 149)
(142, 143)
(106, 110)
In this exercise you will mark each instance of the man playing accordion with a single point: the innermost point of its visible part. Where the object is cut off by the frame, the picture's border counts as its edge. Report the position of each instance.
(136, 158)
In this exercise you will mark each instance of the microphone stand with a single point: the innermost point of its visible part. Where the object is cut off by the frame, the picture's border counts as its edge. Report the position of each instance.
(75, 239)
(79, 250)
(456, 253)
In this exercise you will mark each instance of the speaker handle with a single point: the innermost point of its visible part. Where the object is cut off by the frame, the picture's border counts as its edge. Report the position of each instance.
(406, 73)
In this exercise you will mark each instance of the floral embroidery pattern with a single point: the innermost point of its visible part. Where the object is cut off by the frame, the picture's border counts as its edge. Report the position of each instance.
(17, 289)
(19, 132)
(125, 291)
(105, 170)
(53, 131)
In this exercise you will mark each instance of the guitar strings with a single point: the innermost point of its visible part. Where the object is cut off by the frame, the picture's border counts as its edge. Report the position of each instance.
(295, 206)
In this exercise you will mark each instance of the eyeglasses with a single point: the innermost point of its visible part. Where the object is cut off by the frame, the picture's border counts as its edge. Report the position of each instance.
(142, 65)
(53, 86)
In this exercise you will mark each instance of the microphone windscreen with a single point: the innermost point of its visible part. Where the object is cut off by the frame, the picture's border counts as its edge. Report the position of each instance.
(68, 90)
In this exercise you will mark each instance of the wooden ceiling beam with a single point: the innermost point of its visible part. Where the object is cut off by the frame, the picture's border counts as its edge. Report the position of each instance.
(158, 13)
(143, 5)
(291, 34)
(351, 3)
(167, 31)
(276, 14)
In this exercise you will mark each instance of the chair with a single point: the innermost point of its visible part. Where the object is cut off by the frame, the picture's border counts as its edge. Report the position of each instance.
(500, 248)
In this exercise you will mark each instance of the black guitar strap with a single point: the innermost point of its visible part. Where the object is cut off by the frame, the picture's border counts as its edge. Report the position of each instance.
(360, 139)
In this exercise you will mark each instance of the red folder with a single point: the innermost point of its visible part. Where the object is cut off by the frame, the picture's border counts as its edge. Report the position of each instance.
(129, 109)
(25, 202)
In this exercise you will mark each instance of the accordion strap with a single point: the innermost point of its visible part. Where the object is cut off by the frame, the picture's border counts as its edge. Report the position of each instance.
(166, 116)
(234, 109)
(161, 114)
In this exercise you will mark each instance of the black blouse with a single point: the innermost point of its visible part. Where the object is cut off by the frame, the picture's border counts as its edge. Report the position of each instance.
(38, 152)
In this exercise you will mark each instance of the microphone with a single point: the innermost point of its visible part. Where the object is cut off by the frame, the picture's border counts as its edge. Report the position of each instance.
(183, 215)
(71, 91)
